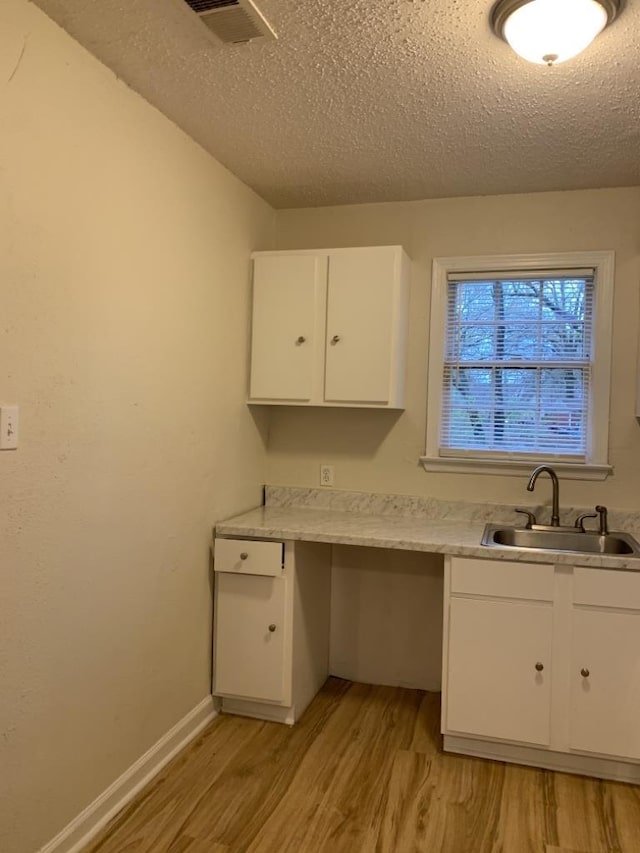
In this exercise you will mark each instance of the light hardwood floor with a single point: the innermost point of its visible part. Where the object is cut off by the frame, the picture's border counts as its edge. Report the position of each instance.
(363, 772)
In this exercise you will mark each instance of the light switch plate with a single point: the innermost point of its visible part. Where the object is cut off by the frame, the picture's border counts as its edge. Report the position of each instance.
(8, 427)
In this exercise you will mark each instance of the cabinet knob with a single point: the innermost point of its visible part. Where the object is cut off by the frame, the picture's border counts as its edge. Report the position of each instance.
(301, 339)
(244, 555)
(335, 339)
(539, 666)
(272, 627)
(584, 672)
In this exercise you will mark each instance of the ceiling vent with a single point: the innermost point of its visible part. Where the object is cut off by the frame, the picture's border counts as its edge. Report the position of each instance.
(232, 21)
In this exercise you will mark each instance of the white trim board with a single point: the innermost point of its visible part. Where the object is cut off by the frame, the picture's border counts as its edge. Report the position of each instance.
(97, 814)
(259, 710)
(582, 764)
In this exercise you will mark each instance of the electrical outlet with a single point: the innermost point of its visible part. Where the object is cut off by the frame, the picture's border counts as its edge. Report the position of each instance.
(326, 475)
(8, 427)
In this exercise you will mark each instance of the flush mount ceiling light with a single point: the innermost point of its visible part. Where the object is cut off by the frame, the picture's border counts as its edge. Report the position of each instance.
(551, 31)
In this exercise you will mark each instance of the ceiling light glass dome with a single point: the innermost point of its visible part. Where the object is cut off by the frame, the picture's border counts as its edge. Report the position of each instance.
(551, 31)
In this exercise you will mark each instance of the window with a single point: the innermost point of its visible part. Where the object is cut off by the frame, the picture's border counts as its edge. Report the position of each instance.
(519, 363)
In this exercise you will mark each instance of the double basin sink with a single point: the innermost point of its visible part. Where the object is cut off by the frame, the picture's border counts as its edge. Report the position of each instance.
(542, 538)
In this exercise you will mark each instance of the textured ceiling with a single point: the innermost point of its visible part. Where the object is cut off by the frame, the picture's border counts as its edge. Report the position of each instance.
(363, 100)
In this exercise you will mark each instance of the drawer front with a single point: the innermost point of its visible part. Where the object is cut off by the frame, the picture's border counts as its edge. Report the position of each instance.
(607, 588)
(248, 557)
(502, 579)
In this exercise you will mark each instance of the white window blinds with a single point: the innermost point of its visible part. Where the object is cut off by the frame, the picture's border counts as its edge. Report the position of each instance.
(517, 365)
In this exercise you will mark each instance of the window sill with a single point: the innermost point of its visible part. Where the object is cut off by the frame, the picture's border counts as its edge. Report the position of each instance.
(507, 468)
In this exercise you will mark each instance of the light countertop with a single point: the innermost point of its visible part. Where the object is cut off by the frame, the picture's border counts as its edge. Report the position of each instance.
(457, 533)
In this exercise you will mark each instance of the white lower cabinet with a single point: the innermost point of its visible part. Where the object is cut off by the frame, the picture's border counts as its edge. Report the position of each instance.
(499, 669)
(605, 683)
(271, 626)
(542, 666)
(251, 627)
(604, 663)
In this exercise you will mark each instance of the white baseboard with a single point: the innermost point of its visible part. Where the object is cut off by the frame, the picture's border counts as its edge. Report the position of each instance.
(259, 710)
(91, 820)
(563, 762)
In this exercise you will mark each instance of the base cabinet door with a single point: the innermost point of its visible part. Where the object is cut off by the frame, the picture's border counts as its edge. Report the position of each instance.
(499, 662)
(249, 637)
(605, 683)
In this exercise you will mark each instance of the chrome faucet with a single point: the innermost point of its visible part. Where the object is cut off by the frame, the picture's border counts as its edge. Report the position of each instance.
(555, 505)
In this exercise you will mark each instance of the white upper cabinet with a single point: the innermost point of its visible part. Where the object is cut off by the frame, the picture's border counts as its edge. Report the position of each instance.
(288, 295)
(363, 293)
(329, 327)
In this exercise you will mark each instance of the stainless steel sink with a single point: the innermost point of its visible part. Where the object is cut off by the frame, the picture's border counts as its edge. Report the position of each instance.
(542, 538)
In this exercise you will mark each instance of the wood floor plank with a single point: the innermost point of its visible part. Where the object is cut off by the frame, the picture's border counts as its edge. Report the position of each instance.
(464, 813)
(407, 804)
(156, 814)
(553, 849)
(527, 822)
(363, 772)
(623, 802)
(263, 774)
(186, 844)
(594, 831)
(346, 785)
(426, 736)
(319, 776)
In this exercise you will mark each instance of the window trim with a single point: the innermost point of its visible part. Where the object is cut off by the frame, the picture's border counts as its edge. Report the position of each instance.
(603, 263)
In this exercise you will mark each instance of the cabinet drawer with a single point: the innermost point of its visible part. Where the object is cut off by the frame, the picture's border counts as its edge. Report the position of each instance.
(502, 579)
(248, 557)
(607, 588)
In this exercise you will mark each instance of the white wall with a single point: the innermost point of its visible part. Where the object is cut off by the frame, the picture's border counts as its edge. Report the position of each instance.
(378, 451)
(125, 280)
(386, 617)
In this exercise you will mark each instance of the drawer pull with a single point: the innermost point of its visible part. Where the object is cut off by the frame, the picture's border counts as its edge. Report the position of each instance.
(300, 339)
(335, 339)
(272, 627)
(584, 672)
(539, 666)
(244, 555)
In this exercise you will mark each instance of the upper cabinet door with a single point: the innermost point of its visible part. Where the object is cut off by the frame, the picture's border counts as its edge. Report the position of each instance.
(288, 293)
(361, 306)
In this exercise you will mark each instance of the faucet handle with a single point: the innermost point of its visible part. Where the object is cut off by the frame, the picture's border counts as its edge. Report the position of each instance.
(531, 519)
(602, 512)
(580, 520)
